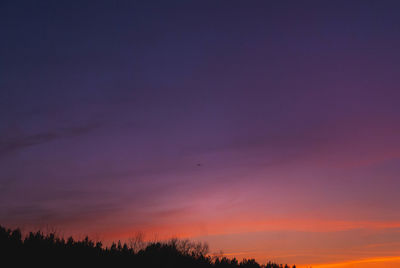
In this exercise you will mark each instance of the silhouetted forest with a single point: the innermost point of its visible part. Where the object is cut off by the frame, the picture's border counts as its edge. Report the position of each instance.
(37, 249)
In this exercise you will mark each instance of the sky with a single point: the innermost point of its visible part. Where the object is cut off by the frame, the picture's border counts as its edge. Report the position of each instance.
(269, 129)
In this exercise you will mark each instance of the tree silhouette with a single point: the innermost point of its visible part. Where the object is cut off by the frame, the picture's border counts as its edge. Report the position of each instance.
(39, 250)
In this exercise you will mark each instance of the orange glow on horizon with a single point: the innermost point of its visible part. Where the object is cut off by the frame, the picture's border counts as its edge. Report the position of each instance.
(198, 230)
(359, 263)
(195, 229)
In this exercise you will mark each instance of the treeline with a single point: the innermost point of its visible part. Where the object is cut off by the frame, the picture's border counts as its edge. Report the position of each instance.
(37, 249)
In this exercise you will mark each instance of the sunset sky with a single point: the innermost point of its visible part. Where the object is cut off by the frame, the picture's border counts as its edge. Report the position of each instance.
(269, 129)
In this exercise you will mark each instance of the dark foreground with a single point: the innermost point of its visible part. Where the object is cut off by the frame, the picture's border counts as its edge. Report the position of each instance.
(40, 250)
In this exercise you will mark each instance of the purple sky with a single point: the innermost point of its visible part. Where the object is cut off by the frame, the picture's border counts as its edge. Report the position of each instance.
(268, 128)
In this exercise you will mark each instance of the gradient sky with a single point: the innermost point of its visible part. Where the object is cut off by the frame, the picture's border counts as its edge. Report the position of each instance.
(270, 129)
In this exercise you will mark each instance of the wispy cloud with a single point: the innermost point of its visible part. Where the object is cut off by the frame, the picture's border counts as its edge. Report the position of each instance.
(18, 142)
(38, 214)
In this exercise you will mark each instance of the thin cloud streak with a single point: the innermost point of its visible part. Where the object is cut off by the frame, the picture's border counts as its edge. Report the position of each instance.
(17, 142)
